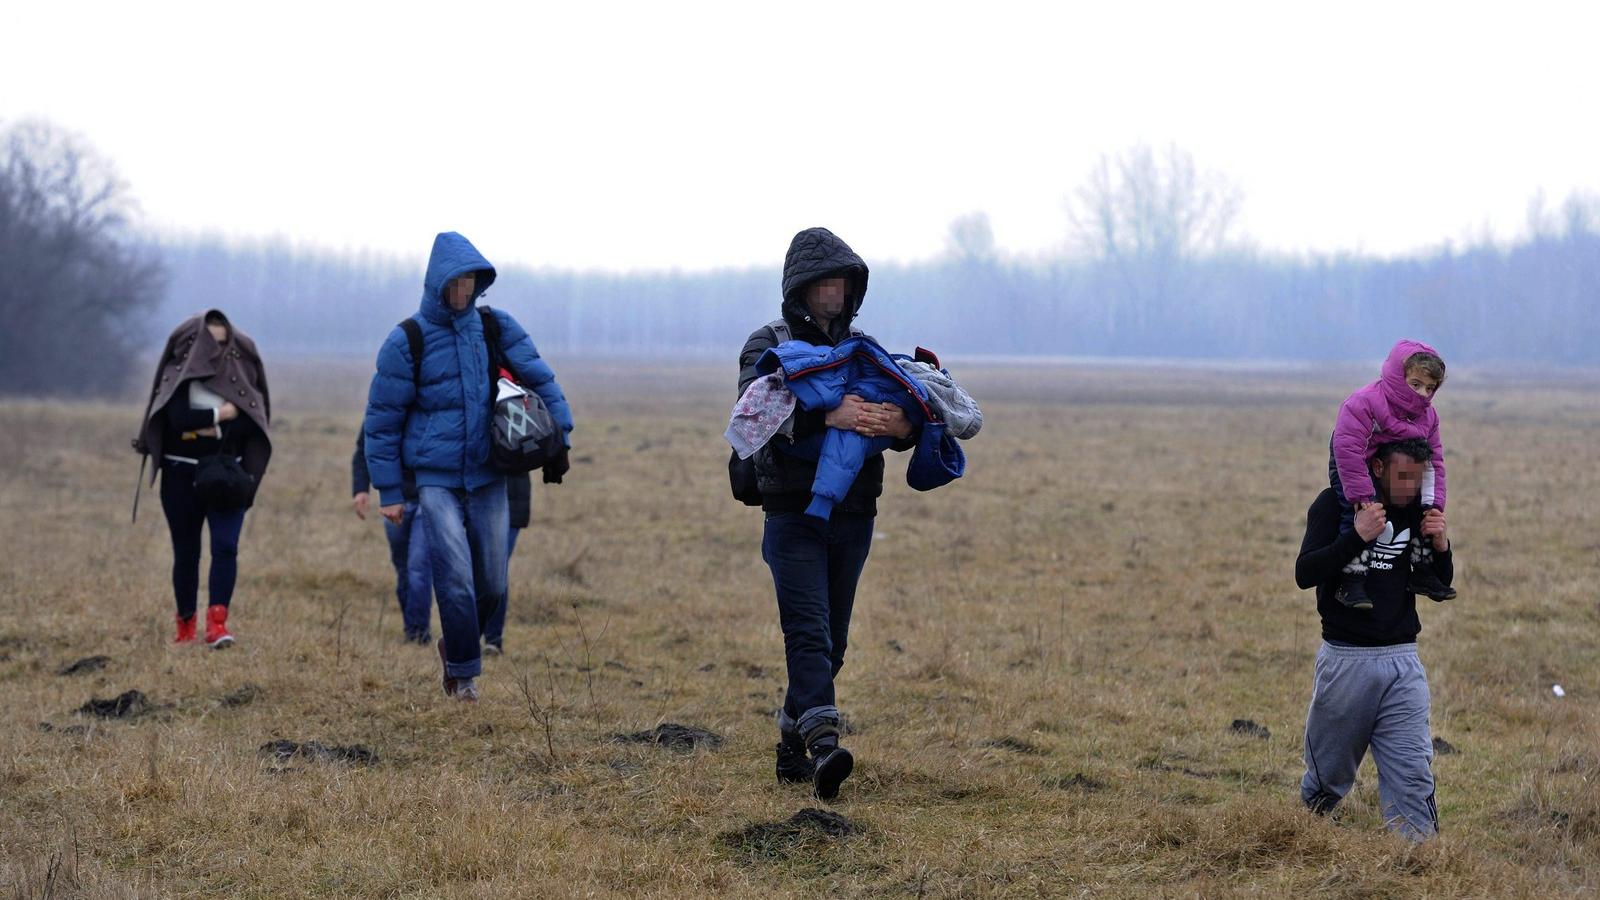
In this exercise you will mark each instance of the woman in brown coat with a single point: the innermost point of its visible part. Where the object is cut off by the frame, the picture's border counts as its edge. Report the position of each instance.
(207, 428)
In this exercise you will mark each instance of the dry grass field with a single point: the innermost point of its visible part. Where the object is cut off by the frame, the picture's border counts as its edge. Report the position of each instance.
(1046, 660)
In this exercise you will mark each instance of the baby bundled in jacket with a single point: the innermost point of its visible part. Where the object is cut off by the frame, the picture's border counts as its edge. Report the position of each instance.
(798, 374)
(1398, 406)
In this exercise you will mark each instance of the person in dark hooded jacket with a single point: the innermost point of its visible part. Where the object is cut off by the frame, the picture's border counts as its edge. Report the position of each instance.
(432, 416)
(816, 563)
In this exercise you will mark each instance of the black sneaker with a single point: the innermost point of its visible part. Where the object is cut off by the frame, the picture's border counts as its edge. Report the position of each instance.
(1352, 591)
(794, 766)
(1424, 581)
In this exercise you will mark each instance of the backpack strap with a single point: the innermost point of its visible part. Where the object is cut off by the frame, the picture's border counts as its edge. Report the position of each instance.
(414, 338)
(491, 336)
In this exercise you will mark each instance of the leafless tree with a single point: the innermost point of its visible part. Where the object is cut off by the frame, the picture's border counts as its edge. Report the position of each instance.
(74, 276)
(970, 238)
(1145, 215)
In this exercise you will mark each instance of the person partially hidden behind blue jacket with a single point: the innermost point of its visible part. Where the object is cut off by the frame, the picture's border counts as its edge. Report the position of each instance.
(817, 561)
(433, 419)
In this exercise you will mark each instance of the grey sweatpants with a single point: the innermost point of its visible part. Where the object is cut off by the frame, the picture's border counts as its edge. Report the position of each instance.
(1373, 697)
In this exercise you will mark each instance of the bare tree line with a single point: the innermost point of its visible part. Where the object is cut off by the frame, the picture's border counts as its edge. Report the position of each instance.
(76, 283)
(1152, 268)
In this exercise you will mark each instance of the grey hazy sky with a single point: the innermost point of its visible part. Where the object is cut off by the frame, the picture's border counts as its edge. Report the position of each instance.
(700, 134)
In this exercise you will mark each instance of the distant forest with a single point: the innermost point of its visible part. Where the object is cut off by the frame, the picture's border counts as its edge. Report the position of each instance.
(1149, 266)
(1535, 301)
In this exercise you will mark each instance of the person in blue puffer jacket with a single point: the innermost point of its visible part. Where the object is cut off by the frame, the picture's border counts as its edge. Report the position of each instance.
(433, 419)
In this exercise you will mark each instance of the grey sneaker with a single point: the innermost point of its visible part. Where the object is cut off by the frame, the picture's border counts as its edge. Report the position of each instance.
(492, 650)
(466, 690)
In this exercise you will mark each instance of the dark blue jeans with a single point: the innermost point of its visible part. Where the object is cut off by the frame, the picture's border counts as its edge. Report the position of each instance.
(186, 516)
(815, 566)
(467, 545)
(413, 572)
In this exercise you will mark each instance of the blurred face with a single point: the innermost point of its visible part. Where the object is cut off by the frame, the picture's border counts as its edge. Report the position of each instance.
(825, 298)
(219, 333)
(1400, 479)
(1421, 382)
(458, 293)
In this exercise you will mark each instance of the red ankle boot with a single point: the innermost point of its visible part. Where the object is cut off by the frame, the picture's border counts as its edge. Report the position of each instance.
(217, 635)
(185, 630)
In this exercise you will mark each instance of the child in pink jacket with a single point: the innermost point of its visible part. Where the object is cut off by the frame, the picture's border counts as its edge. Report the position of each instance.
(1398, 406)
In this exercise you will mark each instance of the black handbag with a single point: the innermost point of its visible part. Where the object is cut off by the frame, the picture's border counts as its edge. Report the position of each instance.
(221, 483)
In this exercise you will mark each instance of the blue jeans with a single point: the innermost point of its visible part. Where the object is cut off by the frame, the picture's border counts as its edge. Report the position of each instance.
(467, 545)
(815, 566)
(494, 631)
(186, 517)
(413, 575)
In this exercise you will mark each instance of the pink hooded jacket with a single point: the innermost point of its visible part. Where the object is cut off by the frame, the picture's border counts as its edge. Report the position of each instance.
(1383, 411)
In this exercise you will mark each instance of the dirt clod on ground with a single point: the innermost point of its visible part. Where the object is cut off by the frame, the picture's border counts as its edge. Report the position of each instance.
(1250, 728)
(125, 705)
(283, 751)
(87, 664)
(777, 839)
(674, 737)
(243, 695)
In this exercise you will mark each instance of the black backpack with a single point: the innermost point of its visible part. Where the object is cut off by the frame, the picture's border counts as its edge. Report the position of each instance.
(742, 472)
(523, 435)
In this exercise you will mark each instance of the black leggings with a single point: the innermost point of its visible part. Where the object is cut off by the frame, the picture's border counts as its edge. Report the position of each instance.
(185, 517)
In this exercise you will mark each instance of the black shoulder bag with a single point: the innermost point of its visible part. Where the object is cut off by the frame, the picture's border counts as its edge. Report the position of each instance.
(221, 483)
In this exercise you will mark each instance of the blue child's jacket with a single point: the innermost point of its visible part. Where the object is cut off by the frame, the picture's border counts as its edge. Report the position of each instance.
(820, 377)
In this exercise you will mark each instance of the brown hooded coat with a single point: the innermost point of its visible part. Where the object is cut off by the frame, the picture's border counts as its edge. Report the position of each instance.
(232, 370)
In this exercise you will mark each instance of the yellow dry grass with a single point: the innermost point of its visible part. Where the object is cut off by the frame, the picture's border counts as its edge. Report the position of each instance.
(1045, 661)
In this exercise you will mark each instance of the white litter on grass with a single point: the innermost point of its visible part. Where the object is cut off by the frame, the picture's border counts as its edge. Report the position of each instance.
(1557, 690)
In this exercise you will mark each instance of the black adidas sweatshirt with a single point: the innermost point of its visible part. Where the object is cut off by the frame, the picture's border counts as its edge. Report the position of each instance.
(1325, 552)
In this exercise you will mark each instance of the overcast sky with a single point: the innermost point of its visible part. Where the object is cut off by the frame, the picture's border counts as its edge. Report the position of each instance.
(691, 135)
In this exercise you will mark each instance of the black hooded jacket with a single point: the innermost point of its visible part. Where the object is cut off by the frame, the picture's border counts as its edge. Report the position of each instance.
(784, 480)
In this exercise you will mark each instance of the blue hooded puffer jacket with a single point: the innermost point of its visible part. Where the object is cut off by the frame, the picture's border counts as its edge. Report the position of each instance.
(820, 377)
(438, 425)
